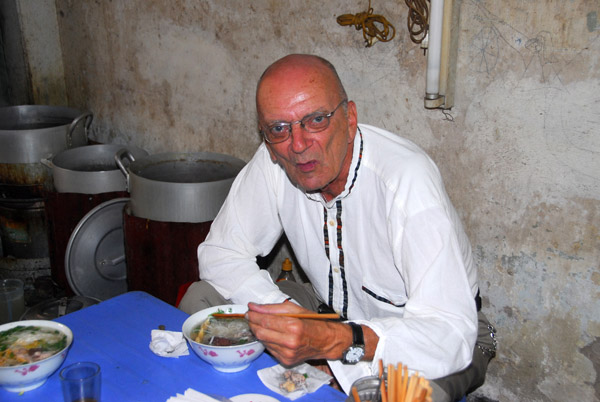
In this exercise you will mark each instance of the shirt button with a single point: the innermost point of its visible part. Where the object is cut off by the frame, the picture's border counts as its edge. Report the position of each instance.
(331, 223)
(336, 270)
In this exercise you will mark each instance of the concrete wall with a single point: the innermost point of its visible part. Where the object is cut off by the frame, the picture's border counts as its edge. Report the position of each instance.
(519, 151)
(14, 72)
(41, 44)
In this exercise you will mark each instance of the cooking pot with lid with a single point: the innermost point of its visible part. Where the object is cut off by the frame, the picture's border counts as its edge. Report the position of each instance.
(178, 187)
(90, 169)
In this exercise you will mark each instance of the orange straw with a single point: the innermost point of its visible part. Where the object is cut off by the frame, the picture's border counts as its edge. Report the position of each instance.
(410, 393)
(403, 384)
(391, 377)
(383, 391)
(355, 394)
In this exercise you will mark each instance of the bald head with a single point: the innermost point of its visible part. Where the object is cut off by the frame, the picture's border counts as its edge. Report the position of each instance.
(314, 70)
(303, 89)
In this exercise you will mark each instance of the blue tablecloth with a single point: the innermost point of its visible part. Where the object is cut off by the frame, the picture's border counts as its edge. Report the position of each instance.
(116, 333)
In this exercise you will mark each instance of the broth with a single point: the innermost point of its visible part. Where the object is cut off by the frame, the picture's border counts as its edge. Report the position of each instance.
(27, 344)
(223, 332)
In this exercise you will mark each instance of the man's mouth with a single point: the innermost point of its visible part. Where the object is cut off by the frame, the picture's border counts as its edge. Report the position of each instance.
(307, 166)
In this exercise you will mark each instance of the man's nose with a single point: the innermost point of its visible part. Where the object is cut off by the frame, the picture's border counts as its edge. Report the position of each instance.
(298, 137)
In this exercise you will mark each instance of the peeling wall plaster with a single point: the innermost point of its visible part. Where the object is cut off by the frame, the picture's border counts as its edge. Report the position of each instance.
(518, 152)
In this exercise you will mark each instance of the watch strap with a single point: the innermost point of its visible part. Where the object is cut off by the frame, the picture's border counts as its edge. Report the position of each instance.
(358, 338)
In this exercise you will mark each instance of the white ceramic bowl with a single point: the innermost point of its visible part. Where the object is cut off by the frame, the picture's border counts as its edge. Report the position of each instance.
(228, 359)
(33, 375)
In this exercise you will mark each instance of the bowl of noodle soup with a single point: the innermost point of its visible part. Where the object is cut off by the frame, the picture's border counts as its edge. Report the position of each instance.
(227, 344)
(30, 352)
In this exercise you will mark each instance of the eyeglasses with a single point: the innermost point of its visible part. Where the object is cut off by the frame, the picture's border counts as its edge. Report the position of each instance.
(312, 123)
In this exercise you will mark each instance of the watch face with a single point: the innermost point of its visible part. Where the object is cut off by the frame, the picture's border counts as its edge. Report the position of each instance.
(354, 354)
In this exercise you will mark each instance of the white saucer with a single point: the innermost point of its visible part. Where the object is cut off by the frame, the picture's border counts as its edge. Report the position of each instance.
(253, 398)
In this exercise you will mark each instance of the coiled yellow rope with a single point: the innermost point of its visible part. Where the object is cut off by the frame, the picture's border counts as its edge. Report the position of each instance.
(418, 19)
(375, 27)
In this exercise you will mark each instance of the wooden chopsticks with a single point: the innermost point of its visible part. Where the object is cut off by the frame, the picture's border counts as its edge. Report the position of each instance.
(311, 316)
(397, 386)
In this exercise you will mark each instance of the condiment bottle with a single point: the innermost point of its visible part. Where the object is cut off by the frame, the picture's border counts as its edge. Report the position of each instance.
(286, 271)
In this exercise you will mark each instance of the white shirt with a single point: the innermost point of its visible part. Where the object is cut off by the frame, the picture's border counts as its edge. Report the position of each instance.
(407, 271)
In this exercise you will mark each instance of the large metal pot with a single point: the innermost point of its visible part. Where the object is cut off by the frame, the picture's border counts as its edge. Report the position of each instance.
(90, 169)
(179, 187)
(33, 132)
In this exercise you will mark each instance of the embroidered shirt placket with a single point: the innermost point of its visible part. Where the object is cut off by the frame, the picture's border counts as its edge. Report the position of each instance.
(338, 287)
(332, 235)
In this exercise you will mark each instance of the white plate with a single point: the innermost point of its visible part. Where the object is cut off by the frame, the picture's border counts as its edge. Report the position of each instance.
(253, 398)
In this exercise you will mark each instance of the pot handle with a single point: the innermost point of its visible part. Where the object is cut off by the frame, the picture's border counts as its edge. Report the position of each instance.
(47, 162)
(119, 156)
(88, 116)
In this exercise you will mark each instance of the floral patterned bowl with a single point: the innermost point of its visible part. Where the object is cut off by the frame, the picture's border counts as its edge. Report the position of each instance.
(228, 359)
(29, 376)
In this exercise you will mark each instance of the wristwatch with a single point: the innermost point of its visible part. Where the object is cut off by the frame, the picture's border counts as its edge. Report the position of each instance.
(356, 351)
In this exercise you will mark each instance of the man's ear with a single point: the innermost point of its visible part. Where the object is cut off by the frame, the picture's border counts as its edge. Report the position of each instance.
(352, 121)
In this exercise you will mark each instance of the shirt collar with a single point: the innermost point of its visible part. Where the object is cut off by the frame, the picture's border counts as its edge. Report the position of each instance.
(357, 153)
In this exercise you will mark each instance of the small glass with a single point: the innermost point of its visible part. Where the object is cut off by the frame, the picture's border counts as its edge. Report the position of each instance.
(12, 301)
(81, 382)
(368, 389)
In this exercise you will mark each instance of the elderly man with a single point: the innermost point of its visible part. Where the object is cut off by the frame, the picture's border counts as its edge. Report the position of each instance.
(370, 223)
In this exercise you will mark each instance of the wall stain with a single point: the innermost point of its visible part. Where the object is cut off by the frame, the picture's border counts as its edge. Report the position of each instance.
(592, 21)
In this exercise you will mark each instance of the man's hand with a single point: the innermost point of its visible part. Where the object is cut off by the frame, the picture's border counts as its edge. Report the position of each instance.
(293, 340)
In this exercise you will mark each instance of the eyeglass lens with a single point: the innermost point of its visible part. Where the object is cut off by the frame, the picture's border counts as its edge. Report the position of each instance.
(313, 123)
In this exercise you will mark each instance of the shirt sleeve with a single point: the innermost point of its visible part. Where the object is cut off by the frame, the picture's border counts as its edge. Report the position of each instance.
(438, 328)
(434, 333)
(247, 226)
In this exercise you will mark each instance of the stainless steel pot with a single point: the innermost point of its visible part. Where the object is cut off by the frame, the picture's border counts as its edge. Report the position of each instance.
(178, 187)
(33, 132)
(30, 133)
(90, 169)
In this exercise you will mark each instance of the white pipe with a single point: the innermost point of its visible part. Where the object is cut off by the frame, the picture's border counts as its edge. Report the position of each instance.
(446, 45)
(434, 51)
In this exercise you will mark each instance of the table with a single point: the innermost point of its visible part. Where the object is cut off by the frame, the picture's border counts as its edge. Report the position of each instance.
(116, 333)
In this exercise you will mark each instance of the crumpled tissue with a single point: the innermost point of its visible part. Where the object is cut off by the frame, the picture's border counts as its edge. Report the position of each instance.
(191, 395)
(272, 377)
(168, 343)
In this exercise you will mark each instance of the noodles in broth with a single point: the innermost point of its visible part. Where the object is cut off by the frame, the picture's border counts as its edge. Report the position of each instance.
(223, 332)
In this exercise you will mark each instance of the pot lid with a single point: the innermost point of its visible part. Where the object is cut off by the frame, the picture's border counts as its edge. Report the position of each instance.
(95, 256)
(54, 308)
